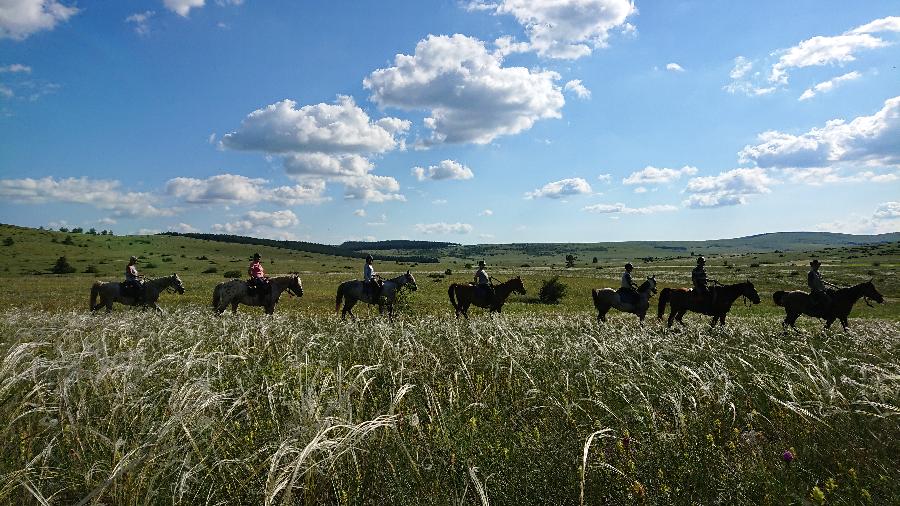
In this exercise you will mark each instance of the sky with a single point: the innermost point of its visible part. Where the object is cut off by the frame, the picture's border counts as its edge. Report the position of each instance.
(465, 121)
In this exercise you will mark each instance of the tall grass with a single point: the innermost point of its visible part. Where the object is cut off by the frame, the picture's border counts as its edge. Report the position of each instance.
(134, 408)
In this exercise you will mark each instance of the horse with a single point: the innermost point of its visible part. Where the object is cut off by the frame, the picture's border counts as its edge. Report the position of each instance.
(606, 298)
(112, 291)
(354, 291)
(798, 302)
(464, 295)
(684, 300)
(235, 292)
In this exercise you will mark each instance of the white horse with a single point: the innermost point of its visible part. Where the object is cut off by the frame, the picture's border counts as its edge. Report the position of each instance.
(113, 291)
(354, 291)
(606, 298)
(235, 292)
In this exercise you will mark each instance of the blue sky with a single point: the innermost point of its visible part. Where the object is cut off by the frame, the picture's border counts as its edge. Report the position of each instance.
(468, 121)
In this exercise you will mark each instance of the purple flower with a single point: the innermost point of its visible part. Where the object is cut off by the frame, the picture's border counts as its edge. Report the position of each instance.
(788, 456)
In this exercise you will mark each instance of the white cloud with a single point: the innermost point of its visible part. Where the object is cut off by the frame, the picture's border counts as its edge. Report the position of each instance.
(360, 212)
(183, 7)
(838, 49)
(447, 169)
(470, 96)
(576, 87)
(741, 67)
(256, 220)
(141, 21)
(829, 175)
(561, 188)
(106, 221)
(829, 85)
(866, 140)
(745, 82)
(324, 165)
(439, 202)
(443, 228)
(885, 219)
(567, 29)
(727, 188)
(235, 189)
(674, 67)
(640, 189)
(15, 68)
(486, 212)
(654, 175)
(372, 188)
(619, 208)
(183, 228)
(101, 194)
(605, 178)
(21, 18)
(887, 211)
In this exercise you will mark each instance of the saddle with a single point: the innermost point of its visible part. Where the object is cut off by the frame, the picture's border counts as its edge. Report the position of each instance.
(130, 289)
(627, 296)
(373, 287)
(258, 287)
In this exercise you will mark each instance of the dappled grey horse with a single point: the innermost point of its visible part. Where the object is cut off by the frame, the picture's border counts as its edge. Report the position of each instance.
(236, 292)
(355, 291)
(606, 298)
(112, 291)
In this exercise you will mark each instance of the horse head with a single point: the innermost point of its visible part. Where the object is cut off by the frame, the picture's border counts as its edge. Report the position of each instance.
(179, 286)
(517, 285)
(747, 290)
(296, 286)
(871, 292)
(411, 281)
(650, 285)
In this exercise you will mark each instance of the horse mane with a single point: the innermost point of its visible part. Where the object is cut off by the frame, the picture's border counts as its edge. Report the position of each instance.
(644, 286)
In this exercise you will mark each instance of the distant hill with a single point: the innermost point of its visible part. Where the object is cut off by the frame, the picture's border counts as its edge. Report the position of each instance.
(394, 245)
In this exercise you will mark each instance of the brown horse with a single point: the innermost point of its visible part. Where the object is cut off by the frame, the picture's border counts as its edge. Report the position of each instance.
(798, 302)
(464, 295)
(110, 292)
(235, 292)
(684, 300)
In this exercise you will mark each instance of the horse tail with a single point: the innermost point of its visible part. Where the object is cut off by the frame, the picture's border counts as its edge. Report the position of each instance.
(217, 297)
(595, 294)
(664, 296)
(337, 299)
(451, 292)
(95, 292)
(778, 298)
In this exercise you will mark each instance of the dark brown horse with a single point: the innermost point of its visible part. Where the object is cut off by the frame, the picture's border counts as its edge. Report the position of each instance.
(464, 295)
(684, 300)
(842, 300)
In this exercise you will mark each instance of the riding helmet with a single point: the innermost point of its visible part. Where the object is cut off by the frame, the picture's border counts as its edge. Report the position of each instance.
(481, 263)
(369, 258)
(256, 256)
(628, 266)
(133, 259)
(815, 262)
(701, 260)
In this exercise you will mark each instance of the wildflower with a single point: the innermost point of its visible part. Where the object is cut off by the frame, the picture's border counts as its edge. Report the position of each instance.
(788, 456)
(817, 496)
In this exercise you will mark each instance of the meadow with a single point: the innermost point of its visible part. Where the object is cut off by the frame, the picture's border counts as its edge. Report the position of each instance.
(539, 405)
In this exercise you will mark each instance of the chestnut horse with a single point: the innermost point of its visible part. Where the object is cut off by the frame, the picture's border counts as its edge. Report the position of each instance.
(464, 295)
(684, 300)
(797, 302)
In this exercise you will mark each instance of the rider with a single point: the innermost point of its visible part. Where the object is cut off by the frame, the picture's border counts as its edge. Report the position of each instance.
(258, 280)
(483, 281)
(629, 287)
(372, 281)
(699, 279)
(134, 281)
(817, 285)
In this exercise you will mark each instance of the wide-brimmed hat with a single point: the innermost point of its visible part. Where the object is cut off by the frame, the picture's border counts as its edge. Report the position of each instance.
(133, 259)
(256, 256)
(629, 266)
(701, 260)
(481, 263)
(815, 262)
(369, 258)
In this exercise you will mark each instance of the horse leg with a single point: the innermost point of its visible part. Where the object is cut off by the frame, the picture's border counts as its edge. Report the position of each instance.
(722, 320)
(680, 316)
(157, 308)
(712, 323)
(828, 323)
(234, 306)
(844, 322)
(601, 314)
(671, 318)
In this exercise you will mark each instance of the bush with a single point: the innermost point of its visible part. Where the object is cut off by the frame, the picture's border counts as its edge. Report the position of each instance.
(552, 291)
(210, 270)
(68, 241)
(230, 274)
(8, 241)
(62, 266)
(91, 269)
(448, 272)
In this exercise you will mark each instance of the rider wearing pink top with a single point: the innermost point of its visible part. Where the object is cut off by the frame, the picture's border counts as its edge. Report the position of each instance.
(258, 280)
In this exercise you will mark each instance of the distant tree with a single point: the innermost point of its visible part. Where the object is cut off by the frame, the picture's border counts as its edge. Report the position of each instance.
(8, 241)
(103, 232)
(62, 266)
(63, 229)
(594, 260)
(92, 231)
(552, 291)
(77, 230)
(570, 260)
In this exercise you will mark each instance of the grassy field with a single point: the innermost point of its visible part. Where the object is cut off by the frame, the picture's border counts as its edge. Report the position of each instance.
(541, 405)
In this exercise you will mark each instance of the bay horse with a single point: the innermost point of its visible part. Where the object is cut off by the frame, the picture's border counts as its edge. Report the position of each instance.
(235, 292)
(683, 300)
(113, 291)
(606, 298)
(354, 291)
(799, 302)
(463, 295)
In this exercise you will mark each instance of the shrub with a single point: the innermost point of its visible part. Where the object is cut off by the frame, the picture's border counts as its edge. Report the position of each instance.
(150, 265)
(91, 269)
(62, 266)
(448, 272)
(210, 270)
(8, 241)
(231, 274)
(552, 291)
(570, 260)
(68, 241)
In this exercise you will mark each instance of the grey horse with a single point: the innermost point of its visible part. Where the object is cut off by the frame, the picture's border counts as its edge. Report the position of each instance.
(111, 291)
(606, 298)
(354, 291)
(235, 292)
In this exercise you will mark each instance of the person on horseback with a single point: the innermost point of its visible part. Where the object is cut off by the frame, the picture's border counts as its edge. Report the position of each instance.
(258, 281)
(700, 281)
(483, 281)
(818, 286)
(628, 291)
(372, 281)
(134, 282)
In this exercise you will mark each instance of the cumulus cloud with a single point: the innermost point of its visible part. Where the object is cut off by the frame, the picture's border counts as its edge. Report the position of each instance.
(15, 68)
(360, 212)
(575, 86)
(373, 188)
(887, 211)
(21, 18)
(235, 189)
(865, 140)
(183, 228)
(619, 208)
(447, 169)
(443, 228)
(101, 194)
(654, 175)
(567, 29)
(829, 175)
(183, 7)
(831, 50)
(141, 21)
(885, 219)
(470, 96)
(254, 220)
(744, 81)
(829, 85)
(727, 188)
(486, 212)
(674, 67)
(561, 188)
